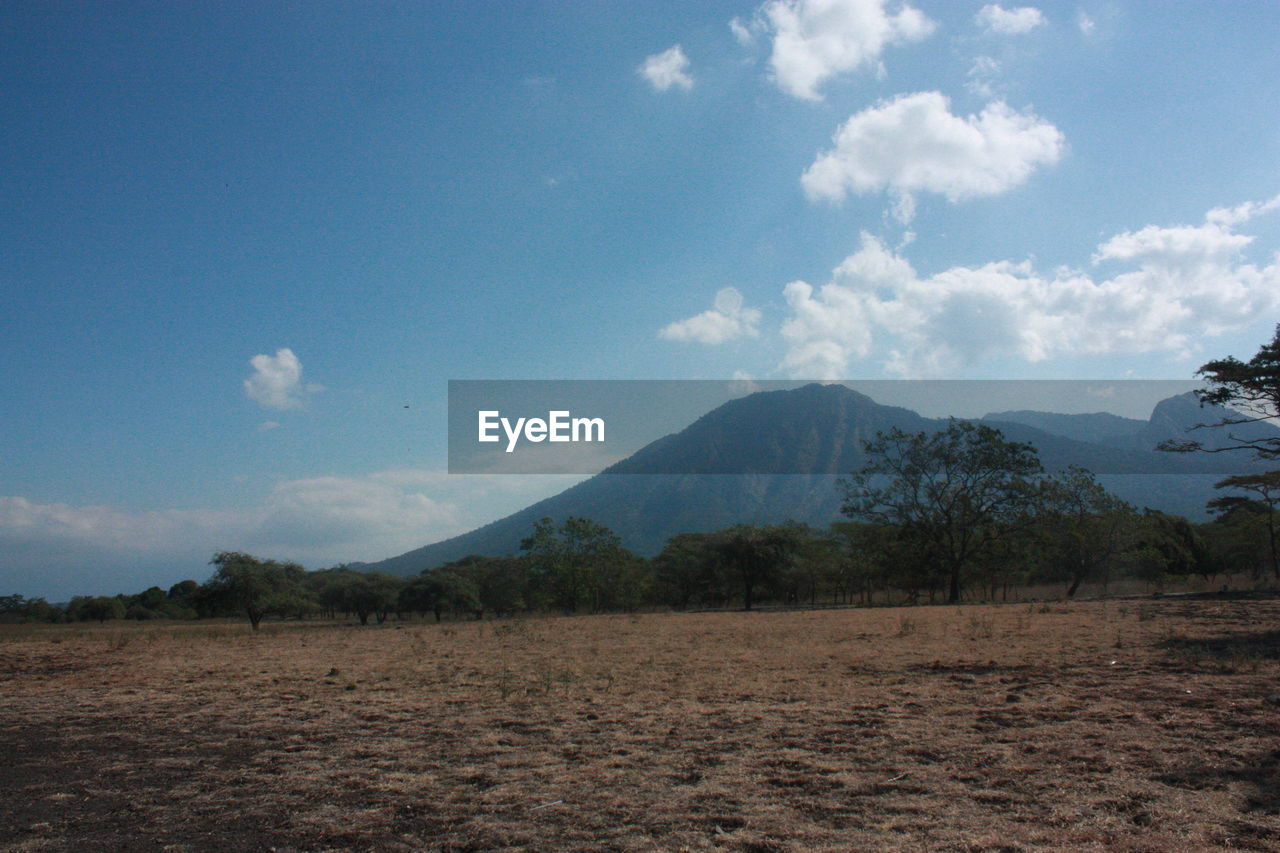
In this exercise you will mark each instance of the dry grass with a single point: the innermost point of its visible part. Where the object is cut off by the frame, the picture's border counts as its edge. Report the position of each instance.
(1092, 725)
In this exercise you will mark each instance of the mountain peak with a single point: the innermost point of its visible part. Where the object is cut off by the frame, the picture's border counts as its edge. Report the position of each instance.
(814, 429)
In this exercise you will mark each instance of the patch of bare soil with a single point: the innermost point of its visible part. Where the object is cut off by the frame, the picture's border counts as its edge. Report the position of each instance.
(1139, 726)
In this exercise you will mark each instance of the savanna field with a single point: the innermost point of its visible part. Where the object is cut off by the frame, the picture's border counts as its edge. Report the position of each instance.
(1139, 724)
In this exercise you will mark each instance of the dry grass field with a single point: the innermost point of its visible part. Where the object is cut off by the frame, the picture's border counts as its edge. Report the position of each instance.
(1114, 725)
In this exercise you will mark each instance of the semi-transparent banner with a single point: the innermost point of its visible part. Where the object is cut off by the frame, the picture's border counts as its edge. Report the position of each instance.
(792, 427)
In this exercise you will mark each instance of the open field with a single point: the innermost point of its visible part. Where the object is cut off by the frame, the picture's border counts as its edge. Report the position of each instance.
(1120, 725)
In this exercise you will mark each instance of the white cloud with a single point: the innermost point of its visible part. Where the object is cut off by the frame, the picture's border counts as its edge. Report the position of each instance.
(814, 40)
(729, 319)
(322, 512)
(277, 381)
(1242, 213)
(1186, 247)
(745, 34)
(1009, 22)
(667, 69)
(982, 76)
(1085, 23)
(323, 520)
(1180, 284)
(62, 526)
(902, 207)
(914, 143)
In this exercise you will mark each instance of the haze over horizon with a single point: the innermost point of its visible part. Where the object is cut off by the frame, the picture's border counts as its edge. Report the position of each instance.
(247, 245)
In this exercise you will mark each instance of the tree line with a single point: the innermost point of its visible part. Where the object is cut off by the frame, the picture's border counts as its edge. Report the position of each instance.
(940, 515)
(967, 515)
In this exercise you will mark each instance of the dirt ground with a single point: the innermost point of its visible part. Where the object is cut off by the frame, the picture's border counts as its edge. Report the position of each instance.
(1131, 725)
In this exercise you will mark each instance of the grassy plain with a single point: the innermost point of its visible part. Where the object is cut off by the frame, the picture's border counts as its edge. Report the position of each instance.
(1118, 725)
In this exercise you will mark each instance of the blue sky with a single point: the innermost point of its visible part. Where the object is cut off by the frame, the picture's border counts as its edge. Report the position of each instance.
(240, 239)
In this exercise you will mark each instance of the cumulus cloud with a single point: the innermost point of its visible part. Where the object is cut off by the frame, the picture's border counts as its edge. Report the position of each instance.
(1009, 22)
(729, 319)
(1177, 284)
(667, 69)
(276, 382)
(815, 40)
(914, 143)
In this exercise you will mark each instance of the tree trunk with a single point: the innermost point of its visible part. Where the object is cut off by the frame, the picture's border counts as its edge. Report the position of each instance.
(1271, 531)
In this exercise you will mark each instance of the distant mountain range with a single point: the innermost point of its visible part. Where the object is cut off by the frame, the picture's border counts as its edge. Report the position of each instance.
(1173, 418)
(789, 448)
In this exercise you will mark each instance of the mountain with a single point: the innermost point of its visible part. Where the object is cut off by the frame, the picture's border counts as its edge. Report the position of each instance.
(786, 450)
(1175, 418)
(792, 444)
(1097, 428)
(1178, 417)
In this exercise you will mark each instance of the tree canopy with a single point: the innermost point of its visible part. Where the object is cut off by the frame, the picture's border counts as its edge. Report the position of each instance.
(1265, 489)
(255, 586)
(1251, 390)
(954, 493)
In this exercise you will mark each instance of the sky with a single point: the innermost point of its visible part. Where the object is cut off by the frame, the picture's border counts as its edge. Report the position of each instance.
(245, 246)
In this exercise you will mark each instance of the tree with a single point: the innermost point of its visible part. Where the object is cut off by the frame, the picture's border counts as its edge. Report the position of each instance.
(102, 607)
(257, 587)
(1252, 391)
(329, 586)
(501, 583)
(1083, 527)
(1266, 486)
(570, 558)
(440, 589)
(1236, 539)
(367, 594)
(954, 493)
(1167, 545)
(862, 560)
(39, 610)
(757, 555)
(12, 605)
(688, 571)
(620, 582)
(814, 566)
(15, 607)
